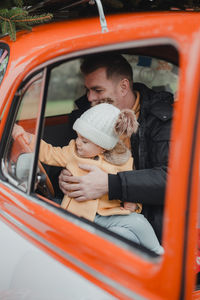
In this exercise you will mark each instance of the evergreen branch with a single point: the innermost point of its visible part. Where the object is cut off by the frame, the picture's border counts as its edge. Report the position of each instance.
(35, 19)
(12, 30)
(19, 17)
(17, 12)
(24, 26)
(3, 13)
(4, 27)
(3, 18)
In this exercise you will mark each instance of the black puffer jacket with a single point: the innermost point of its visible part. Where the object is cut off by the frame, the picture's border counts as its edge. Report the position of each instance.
(150, 148)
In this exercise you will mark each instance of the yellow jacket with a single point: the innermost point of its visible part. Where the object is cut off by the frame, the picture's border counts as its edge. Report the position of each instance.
(67, 157)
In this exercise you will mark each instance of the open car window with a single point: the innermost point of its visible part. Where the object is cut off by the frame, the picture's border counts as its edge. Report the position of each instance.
(66, 82)
(63, 87)
(157, 74)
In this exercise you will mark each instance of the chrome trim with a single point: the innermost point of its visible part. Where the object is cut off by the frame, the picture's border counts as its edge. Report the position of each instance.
(127, 292)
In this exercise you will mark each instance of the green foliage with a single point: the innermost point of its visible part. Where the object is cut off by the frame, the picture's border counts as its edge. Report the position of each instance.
(18, 18)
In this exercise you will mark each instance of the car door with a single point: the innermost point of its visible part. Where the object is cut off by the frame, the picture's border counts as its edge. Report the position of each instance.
(190, 278)
(123, 269)
(61, 232)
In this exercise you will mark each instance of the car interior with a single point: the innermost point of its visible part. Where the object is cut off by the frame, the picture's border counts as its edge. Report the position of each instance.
(156, 73)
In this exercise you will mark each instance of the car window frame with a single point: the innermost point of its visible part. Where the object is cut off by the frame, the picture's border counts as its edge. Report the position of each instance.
(9, 126)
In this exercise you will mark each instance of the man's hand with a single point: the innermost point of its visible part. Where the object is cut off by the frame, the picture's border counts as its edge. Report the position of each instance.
(63, 180)
(87, 187)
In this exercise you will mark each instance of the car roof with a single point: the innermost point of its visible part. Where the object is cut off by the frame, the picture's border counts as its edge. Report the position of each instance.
(53, 33)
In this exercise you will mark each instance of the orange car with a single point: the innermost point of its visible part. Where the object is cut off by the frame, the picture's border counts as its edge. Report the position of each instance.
(48, 253)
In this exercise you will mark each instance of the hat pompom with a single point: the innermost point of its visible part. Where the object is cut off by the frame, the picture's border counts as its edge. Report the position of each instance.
(126, 123)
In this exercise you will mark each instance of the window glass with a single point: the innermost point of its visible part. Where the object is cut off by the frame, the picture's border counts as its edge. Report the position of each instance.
(65, 86)
(3, 62)
(18, 159)
(66, 82)
(157, 74)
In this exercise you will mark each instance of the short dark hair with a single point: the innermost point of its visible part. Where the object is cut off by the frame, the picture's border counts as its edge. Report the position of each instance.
(115, 64)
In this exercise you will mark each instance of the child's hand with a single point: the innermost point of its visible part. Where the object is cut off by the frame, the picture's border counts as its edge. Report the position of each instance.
(19, 130)
(130, 206)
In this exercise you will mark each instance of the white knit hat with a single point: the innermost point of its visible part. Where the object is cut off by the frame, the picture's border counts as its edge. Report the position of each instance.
(97, 125)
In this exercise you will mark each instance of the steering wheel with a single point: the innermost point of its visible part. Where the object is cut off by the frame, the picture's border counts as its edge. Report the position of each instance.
(44, 186)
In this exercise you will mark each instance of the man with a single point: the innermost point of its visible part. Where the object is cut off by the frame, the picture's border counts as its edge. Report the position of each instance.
(110, 76)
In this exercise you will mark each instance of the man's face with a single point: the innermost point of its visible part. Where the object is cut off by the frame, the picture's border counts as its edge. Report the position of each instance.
(98, 87)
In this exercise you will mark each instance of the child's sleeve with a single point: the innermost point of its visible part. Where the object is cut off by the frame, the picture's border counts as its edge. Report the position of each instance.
(55, 156)
(29, 139)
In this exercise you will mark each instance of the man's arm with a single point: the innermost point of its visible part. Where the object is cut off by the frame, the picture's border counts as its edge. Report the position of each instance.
(81, 188)
(146, 185)
(143, 186)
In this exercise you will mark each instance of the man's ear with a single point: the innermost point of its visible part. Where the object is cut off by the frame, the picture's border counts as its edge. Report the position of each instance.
(124, 86)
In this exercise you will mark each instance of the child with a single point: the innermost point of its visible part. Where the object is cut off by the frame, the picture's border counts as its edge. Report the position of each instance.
(98, 143)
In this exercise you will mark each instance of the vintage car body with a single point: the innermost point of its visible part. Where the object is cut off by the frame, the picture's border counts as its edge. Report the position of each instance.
(38, 233)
